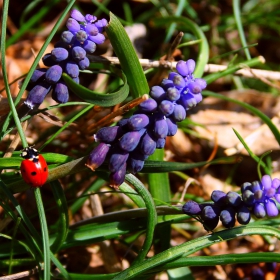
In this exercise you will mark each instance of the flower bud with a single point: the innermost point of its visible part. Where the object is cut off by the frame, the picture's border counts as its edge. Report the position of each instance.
(78, 53)
(118, 177)
(117, 159)
(91, 30)
(160, 128)
(67, 37)
(53, 74)
(97, 156)
(271, 208)
(173, 94)
(72, 69)
(89, 46)
(259, 210)
(59, 54)
(135, 165)
(160, 143)
(227, 217)
(179, 81)
(219, 197)
(60, 93)
(179, 113)
(166, 107)
(130, 140)
(38, 75)
(147, 144)
(243, 215)
(37, 94)
(138, 121)
(80, 36)
(77, 15)
(108, 134)
(148, 106)
(100, 24)
(233, 199)
(84, 63)
(191, 208)
(48, 60)
(166, 84)
(73, 25)
(157, 93)
(172, 127)
(97, 39)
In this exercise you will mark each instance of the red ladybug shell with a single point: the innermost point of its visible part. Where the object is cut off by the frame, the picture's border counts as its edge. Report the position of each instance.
(34, 168)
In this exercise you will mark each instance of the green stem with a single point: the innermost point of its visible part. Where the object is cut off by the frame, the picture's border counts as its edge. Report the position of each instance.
(5, 75)
(45, 235)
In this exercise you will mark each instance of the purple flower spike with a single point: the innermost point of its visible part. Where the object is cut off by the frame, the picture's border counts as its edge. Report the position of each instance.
(108, 134)
(37, 94)
(78, 53)
(210, 212)
(53, 74)
(130, 140)
(77, 15)
(59, 54)
(97, 156)
(271, 208)
(117, 160)
(118, 177)
(166, 83)
(138, 121)
(233, 199)
(73, 25)
(60, 93)
(188, 101)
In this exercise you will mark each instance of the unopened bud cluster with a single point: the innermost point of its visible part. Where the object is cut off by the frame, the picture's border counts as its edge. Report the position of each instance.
(127, 145)
(257, 198)
(68, 56)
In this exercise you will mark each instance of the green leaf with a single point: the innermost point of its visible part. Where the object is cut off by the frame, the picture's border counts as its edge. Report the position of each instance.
(128, 58)
(104, 100)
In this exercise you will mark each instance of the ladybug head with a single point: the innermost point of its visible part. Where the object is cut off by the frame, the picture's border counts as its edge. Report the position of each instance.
(30, 153)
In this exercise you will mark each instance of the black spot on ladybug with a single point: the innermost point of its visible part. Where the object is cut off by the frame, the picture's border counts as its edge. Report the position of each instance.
(33, 173)
(45, 169)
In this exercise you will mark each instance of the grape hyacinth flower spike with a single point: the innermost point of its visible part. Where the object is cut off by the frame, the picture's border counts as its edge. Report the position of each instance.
(257, 198)
(134, 139)
(69, 56)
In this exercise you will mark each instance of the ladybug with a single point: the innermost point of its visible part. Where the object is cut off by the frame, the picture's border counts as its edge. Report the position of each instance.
(34, 168)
